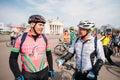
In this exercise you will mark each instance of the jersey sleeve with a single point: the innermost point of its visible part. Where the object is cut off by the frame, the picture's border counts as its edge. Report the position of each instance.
(48, 46)
(100, 51)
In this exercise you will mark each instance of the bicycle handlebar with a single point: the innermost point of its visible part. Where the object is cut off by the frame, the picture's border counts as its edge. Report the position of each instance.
(69, 67)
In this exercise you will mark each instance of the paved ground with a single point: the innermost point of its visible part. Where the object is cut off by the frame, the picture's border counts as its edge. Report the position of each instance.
(106, 73)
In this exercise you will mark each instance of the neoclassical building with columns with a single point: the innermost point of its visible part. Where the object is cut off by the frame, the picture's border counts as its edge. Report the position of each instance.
(54, 27)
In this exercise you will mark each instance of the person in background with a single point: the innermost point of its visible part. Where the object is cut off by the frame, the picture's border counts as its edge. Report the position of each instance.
(66, 36)
(36, 57)
(85, 45)
(117, 43)
(105, 39)
(72, 35)
(12, 37)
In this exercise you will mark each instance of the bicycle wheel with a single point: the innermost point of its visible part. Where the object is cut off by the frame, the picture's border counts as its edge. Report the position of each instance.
(8, 44)
(73, 76)
(59, 50)
(66, 75)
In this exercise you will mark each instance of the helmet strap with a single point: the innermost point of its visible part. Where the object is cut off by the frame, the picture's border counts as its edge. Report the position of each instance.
(85, 35)
(35, 30)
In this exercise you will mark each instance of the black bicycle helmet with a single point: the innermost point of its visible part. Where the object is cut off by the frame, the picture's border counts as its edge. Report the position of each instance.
(36, 19)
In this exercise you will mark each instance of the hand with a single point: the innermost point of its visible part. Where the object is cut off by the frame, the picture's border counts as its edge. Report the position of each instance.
(20, 78)
(91, 75)
(60, 62)
(118, 43)
(51, 73)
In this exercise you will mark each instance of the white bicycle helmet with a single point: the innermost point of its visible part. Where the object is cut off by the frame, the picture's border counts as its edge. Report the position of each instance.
(86, 25)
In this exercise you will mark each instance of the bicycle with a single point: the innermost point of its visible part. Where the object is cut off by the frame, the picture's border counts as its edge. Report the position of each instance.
(61, 48)
(70, 67)
(10, 43)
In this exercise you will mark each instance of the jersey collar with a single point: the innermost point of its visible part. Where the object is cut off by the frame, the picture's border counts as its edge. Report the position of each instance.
(29, 34)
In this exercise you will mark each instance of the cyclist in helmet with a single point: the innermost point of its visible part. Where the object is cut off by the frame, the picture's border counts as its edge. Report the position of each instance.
(72, 35)
(35, 53)
(86, 48)
(107, 43)
(66, 36)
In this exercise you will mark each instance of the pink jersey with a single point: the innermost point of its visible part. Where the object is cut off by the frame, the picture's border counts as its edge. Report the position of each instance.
(33, 53)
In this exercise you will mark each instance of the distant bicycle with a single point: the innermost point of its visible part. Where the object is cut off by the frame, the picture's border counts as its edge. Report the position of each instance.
(61, 48)
(10, 43)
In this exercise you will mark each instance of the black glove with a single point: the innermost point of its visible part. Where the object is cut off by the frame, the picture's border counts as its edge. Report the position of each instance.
(97, 66)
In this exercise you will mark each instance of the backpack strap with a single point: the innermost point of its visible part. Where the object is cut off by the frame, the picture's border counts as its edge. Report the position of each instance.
(16, 39)
(76, 42)
(94, 53)
(23, 39)
(95, 43)
(103, 38)
(77, 39)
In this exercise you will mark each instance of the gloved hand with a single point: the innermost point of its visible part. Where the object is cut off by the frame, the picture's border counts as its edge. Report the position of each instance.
(60, 62)
(20, 78)
(91, 75)
(51, 73)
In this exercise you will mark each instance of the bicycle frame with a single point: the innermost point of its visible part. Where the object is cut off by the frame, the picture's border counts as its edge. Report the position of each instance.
(61, 48)
(65, 44)
(70, 67)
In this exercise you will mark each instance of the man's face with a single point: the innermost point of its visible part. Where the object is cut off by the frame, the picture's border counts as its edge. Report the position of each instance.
(82, 31)
(39, 27)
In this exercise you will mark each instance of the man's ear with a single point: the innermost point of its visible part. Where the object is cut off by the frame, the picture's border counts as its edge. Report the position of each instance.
(32, 24)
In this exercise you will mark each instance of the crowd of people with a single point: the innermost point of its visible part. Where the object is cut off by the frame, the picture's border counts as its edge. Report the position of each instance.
(69, 36)
(90, 51)
(108, 41)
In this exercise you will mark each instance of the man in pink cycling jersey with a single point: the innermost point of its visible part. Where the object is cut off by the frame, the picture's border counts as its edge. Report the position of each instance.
(36, 57)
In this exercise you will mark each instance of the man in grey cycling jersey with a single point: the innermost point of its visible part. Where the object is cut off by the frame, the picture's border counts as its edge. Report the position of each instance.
(84, 47)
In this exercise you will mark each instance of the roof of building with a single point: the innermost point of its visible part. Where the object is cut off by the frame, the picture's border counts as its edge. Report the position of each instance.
(55, 22)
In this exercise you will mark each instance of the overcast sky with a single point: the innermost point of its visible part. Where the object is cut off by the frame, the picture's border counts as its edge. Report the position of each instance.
(100, 12)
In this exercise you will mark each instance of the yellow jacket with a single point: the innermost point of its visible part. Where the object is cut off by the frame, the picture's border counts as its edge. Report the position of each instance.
(105, 40)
